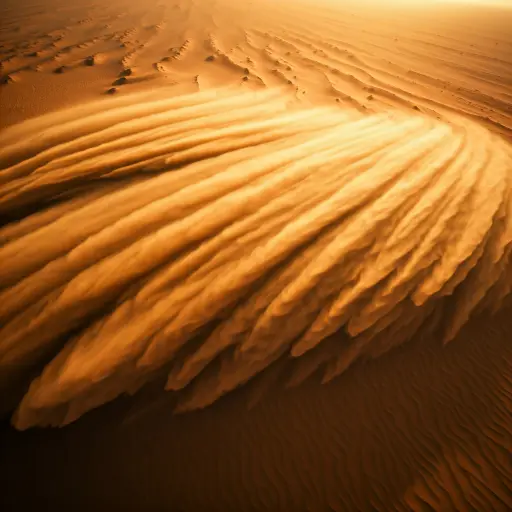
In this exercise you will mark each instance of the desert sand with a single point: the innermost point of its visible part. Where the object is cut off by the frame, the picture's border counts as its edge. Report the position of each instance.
(256, 255)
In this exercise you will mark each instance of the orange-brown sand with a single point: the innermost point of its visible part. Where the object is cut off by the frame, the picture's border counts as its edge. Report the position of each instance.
(371, 55)
(296, 219)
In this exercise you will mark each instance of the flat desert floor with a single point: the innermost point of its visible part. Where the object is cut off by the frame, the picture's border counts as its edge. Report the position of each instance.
(294, 216)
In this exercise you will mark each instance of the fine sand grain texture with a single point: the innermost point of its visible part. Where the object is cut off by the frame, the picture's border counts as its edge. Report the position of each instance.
(255, 256)
(368, 55)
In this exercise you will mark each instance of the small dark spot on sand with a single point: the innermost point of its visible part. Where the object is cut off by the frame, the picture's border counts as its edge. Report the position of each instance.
(60, 70)
(90, 61)
(6, 79)
(210, 58)
(245, 78)
(112, 90)
(246, 71)
(120, 81)
(126, 72)
(416, 107)
(369, 97)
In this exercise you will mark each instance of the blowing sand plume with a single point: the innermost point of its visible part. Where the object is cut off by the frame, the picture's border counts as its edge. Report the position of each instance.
(259, 227)
(256, 255)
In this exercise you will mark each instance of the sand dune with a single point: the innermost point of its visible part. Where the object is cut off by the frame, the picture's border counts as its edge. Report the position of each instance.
(306, 212)
(273, 228)
(424, 427)
(360, 54)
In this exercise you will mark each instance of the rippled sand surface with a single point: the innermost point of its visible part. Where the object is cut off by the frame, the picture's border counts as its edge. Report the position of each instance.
(297, 221)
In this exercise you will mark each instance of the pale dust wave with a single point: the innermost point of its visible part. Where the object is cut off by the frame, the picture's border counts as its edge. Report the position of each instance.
(273, 228)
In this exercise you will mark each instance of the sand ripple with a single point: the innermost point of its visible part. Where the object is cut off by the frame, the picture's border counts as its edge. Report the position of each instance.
(207, 236)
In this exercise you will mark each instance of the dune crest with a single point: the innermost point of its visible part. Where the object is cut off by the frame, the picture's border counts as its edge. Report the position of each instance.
(207, 236)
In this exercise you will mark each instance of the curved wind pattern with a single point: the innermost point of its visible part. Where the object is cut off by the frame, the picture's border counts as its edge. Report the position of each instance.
(207, 236)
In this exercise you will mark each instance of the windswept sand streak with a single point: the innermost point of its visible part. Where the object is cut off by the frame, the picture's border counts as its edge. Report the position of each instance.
(265, 227)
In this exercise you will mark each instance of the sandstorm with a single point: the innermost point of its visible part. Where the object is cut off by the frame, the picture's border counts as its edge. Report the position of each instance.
(206, 236)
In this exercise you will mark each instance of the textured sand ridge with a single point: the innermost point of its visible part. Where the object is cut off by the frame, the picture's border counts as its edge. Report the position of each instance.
(265, 227)
(364, 54)
(424, 427)
(290, 222)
